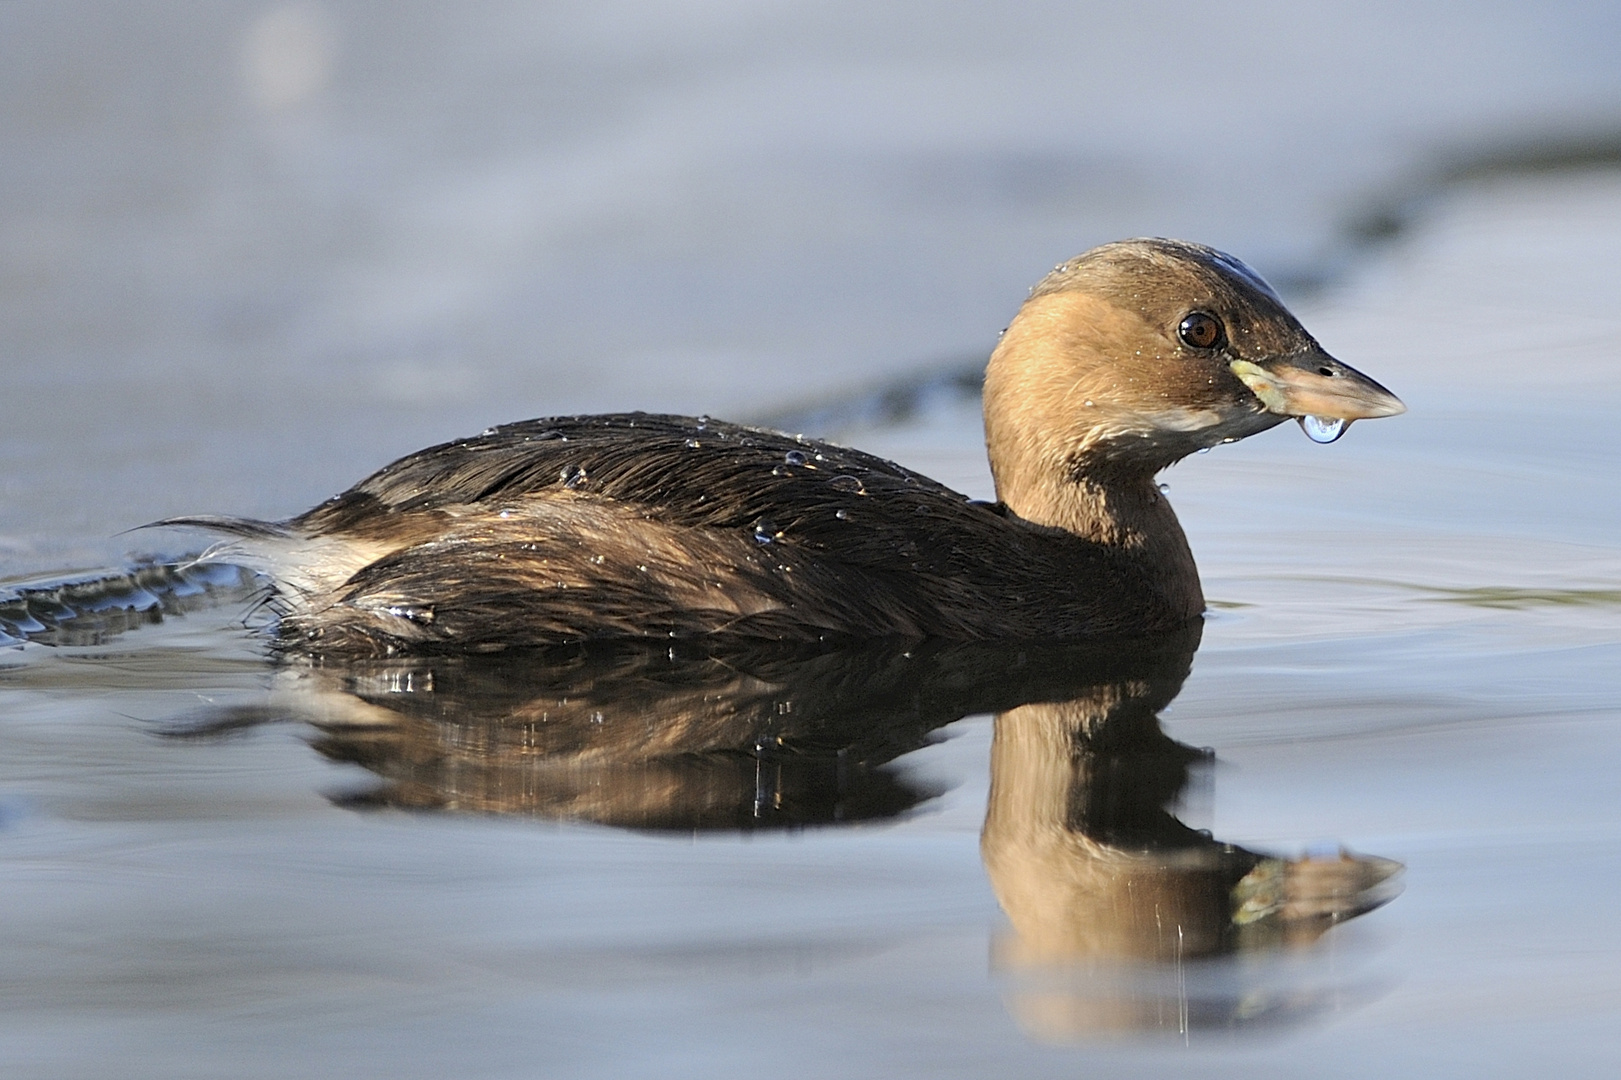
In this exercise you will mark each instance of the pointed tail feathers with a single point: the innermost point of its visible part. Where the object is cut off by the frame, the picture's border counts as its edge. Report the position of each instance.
(235, 526)
(307, 570)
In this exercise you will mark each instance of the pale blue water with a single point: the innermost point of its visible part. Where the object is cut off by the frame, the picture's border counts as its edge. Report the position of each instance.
(256, 279)
(1400, 660)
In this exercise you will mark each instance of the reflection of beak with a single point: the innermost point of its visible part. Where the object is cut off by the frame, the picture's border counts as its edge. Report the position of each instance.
(1316, 384)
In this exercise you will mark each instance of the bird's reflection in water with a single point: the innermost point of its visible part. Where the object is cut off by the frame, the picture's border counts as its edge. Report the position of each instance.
(1117, 909)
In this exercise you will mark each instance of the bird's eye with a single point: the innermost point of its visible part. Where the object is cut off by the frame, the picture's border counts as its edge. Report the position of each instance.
(1201, 331)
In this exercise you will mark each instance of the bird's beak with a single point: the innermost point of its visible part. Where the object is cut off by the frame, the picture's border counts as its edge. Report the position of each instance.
(1314, 384)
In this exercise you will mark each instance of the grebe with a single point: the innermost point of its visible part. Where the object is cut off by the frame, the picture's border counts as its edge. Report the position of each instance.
(1121, 362)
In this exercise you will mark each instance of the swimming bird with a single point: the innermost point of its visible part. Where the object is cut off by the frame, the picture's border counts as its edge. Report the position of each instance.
(1121, 361)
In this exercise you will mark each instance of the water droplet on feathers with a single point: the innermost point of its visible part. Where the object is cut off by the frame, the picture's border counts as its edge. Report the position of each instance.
(422, 614)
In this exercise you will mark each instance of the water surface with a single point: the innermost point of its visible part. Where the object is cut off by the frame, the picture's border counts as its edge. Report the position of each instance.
(214, 866)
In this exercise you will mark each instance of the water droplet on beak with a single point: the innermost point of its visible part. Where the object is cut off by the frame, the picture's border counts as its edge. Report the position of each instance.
(1323, 429)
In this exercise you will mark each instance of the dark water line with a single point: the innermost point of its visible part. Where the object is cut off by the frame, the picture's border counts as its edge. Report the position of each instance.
(1383, 219)
(89, 607)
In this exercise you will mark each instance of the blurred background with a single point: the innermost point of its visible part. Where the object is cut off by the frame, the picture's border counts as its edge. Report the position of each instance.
(250, 251)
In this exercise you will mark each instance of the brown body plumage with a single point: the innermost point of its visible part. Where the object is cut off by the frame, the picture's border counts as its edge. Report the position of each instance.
(1121, 362)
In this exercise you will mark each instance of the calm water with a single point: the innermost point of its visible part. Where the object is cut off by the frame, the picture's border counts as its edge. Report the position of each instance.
(954, 863)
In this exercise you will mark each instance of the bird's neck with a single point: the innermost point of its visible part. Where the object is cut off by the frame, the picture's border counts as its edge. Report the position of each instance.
(1062, 457)
(1127, 513)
